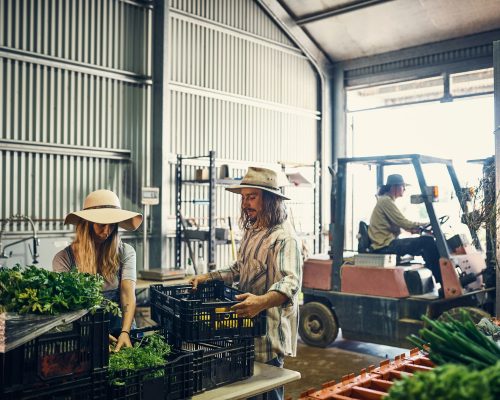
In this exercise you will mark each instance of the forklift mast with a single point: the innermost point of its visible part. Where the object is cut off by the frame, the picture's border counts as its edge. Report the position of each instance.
(338, 201)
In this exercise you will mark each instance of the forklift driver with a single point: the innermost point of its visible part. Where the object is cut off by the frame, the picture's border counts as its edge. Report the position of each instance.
(387, 221)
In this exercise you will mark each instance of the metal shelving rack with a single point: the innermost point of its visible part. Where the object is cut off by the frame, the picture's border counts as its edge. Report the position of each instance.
(179, 231)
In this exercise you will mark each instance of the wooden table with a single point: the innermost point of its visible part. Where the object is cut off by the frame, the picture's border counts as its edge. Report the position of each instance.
(265, 378)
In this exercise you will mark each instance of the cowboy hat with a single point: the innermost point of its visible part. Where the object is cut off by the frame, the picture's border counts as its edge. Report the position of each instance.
(103, 207)
(259, 178)
(395, 179)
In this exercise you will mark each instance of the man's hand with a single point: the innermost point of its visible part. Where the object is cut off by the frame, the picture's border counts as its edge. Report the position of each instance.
(196, 280)
(250, 306)
(416, 230)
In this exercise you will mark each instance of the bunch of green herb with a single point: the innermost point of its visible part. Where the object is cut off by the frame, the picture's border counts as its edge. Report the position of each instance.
(36, 290)
(457, 341)
(449, 382)
(149, 352)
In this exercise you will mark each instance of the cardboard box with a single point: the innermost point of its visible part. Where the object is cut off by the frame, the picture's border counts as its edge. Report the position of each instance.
(202, 174)
(375, 260)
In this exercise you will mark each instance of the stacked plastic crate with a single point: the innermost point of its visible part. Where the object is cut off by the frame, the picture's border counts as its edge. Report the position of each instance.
(202, 322)
(172, 380)
(68, 362)
(372, 383)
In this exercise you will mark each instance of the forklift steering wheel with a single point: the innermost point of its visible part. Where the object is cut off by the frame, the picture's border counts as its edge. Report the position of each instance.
(442, 220)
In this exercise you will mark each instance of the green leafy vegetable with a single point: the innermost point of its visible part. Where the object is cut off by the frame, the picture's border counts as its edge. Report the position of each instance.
(457, 341)
(150, 352)
(36, 290)
(449, 382)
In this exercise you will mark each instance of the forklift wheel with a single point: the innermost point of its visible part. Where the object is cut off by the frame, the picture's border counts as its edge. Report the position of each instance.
(318, 326)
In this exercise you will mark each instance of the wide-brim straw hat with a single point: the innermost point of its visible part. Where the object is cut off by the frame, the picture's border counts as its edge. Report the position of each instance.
(103, 207)
(259, 178)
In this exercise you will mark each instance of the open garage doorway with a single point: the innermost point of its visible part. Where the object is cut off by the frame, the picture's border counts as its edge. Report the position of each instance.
(417, 117)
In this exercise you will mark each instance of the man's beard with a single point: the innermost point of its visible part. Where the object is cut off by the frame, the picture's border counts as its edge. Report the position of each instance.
(248, 219)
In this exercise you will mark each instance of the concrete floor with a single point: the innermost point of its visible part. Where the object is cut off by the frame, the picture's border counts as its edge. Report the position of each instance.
(342, 357)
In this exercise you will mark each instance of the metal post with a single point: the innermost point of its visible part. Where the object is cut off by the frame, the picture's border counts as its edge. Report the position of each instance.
(160, 115)
(211, 212)
(178, 215)
(316, 205)
(145, 247)
(338, 223)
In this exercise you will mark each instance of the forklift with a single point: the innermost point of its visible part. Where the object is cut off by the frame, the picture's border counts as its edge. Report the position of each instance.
(379, 298)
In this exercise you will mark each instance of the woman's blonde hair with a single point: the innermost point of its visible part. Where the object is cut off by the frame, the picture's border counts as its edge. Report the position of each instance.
(104, 259)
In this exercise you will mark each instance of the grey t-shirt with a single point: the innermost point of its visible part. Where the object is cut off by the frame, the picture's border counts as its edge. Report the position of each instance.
(62, 263)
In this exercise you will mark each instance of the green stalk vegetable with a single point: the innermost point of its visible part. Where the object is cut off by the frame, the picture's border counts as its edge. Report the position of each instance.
(456, 341)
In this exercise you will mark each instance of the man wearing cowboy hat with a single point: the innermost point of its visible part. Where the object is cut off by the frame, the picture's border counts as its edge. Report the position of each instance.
(387, 221)
(97, 249)
(268, 268)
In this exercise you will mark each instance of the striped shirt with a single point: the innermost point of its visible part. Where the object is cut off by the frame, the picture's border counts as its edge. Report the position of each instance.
(270, 260)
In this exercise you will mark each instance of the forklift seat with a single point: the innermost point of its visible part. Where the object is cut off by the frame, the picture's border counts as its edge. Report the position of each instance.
(364, 246)
(364, 242)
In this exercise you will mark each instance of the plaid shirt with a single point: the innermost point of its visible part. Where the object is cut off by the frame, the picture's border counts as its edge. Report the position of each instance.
(270, 260)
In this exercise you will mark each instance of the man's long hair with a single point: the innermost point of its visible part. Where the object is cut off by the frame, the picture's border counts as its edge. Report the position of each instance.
(273, 213)
(384, 189)
(102, 259)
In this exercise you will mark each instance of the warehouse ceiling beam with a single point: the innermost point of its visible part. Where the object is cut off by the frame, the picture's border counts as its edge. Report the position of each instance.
(234, 32)
(343, 9)
(451, 56)
(138, 3)
(75, 66)
(26, 146)
(281, 16)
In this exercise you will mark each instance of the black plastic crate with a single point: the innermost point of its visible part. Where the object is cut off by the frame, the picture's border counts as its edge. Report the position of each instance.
(172, 381)
(203, 314)
(221, 362)
(94, 387)
(55, 357)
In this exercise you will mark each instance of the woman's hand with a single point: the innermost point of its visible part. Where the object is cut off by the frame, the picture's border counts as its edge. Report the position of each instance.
(122, 341)
(196, 280)
(127, 299)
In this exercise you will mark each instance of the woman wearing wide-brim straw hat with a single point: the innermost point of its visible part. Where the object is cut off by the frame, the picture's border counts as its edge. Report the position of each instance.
(97, 249)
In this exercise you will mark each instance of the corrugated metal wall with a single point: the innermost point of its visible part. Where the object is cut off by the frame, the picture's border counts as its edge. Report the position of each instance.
(240, 87)
(75, 105)
(74, 108)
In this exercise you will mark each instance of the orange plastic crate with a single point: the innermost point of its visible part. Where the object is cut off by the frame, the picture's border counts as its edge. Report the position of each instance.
(372, 383)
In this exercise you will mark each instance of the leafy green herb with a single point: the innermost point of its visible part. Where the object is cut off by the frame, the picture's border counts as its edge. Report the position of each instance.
(457, 341)
(36, 290)
(150, 352)
(449, 382)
